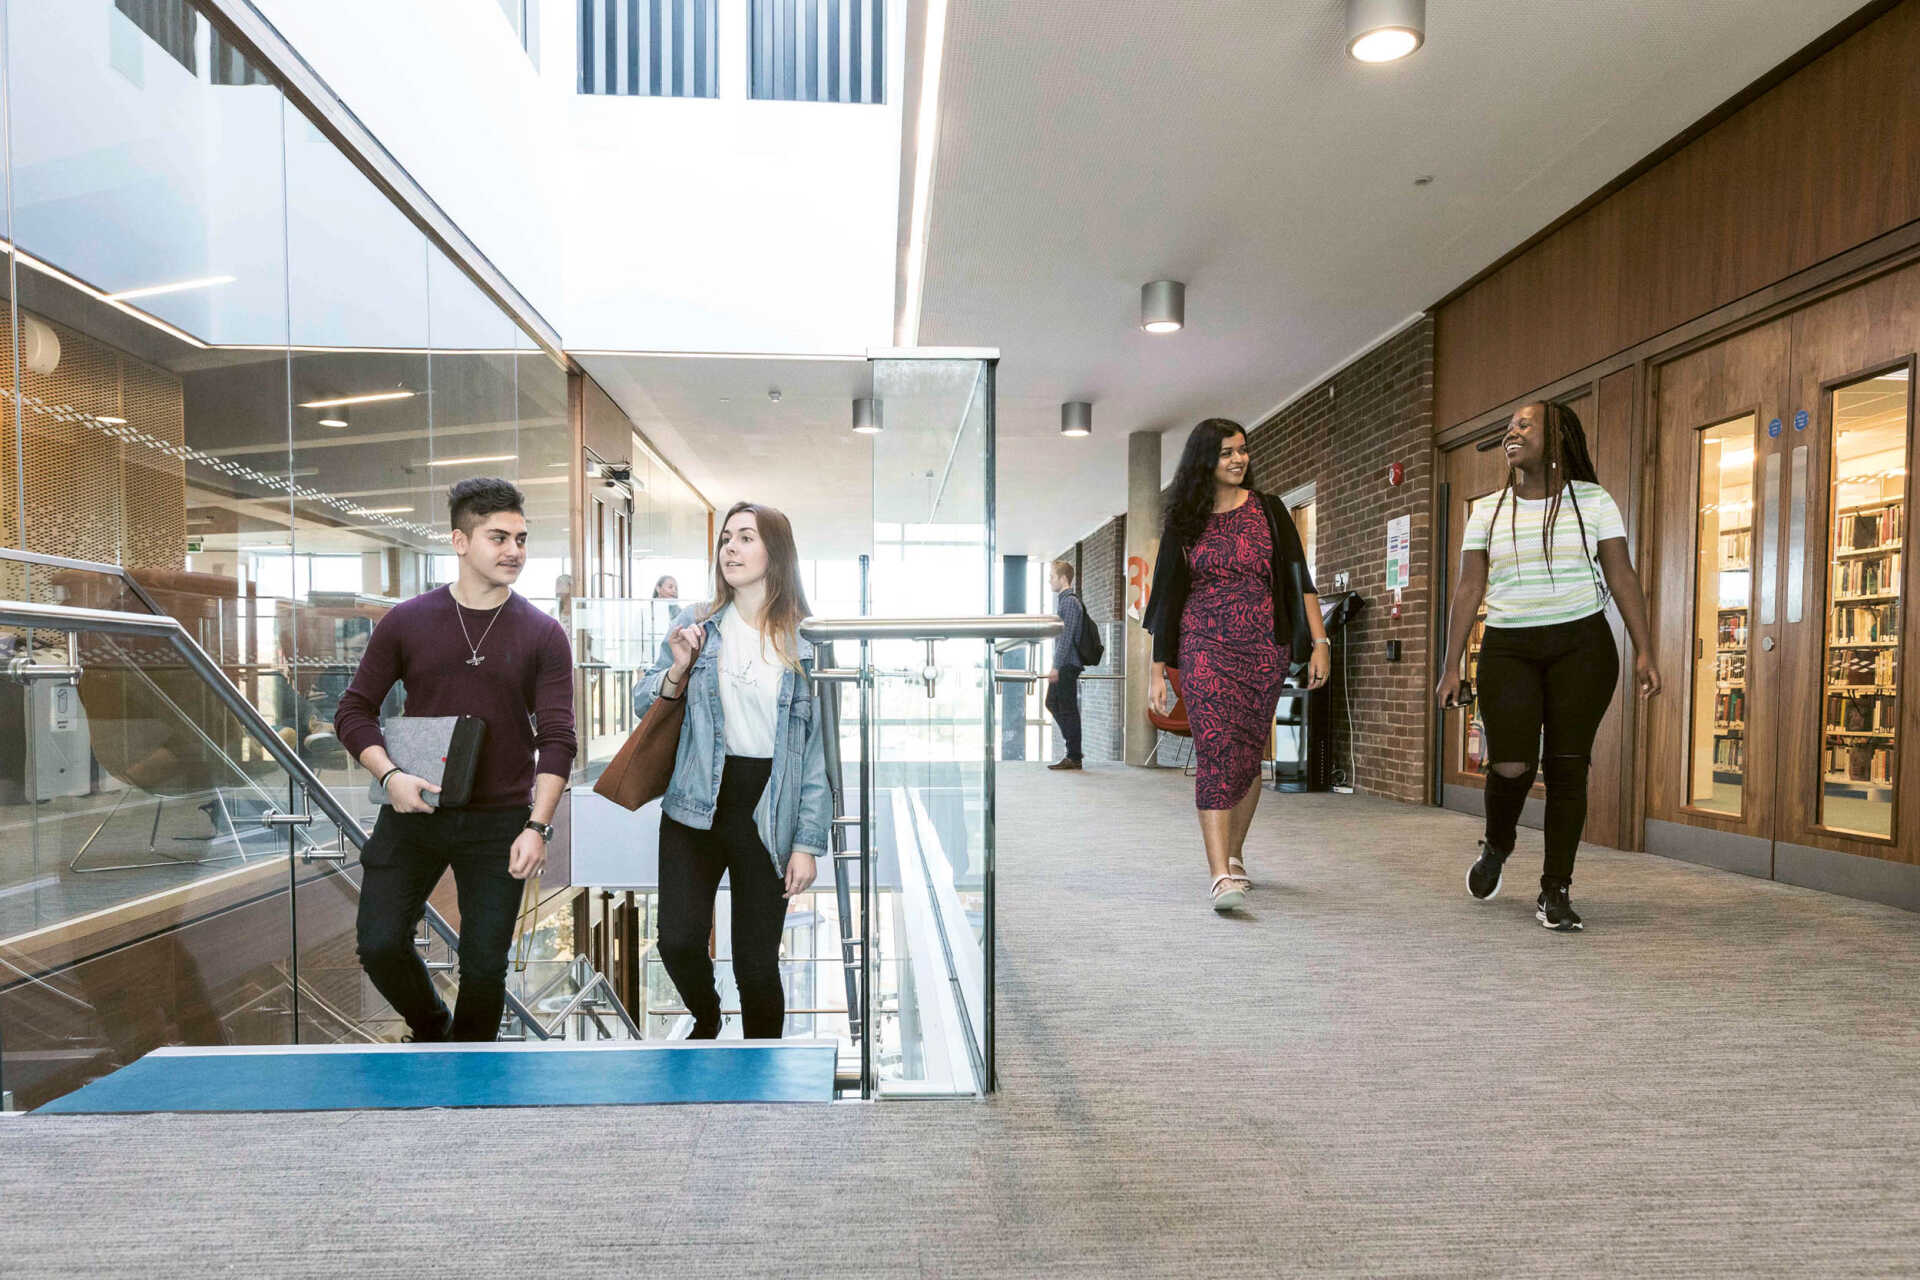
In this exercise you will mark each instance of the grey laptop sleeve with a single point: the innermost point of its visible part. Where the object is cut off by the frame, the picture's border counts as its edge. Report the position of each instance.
(445, 750)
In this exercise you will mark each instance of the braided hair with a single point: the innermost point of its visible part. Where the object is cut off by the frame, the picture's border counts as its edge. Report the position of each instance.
(1566, 457)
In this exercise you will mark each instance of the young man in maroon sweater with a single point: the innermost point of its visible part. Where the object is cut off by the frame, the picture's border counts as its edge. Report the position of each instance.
(470, 649)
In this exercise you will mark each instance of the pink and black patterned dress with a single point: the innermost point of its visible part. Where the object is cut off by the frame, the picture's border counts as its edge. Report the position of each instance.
(1230, 668)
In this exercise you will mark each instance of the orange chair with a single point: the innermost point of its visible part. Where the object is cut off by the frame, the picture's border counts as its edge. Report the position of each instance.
(1174, 722)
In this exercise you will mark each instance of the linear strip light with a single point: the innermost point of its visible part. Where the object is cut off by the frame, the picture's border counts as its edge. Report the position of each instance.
(369, 398)
(178, 286)
(47, 269)
(385, 511)
(926, 136)
(461, 462)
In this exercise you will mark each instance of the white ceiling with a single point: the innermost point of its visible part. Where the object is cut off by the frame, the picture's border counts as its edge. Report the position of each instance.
(1087, 146)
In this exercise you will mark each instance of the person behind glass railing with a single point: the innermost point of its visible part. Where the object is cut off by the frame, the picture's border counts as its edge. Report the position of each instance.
(667, 588)
(1231, 600)
(473, 648)
(1063, 677)
(1548, 663)
(748, 798)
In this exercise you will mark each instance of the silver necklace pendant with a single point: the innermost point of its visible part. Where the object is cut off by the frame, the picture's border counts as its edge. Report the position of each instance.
(475, 660)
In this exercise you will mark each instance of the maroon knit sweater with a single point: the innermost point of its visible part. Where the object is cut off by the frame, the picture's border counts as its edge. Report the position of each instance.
(525, 680)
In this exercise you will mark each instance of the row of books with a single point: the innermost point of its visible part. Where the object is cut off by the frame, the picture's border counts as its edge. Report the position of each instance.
(1728, 667)
(1730, 753)
(1868, 576)
(1860, 762)
(1863, 712)
(1866, 622)
(1733, 628)
(1861, 666)
(1859, 530)
(1730, 706)
(1736, 549)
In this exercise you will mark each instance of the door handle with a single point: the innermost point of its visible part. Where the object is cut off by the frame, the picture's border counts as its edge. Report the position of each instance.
(1797, 535)
(1766, 642)
(1769, 542)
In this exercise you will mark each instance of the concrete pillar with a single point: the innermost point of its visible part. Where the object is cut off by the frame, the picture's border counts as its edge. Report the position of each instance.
(1143, 544)
(1013, 697)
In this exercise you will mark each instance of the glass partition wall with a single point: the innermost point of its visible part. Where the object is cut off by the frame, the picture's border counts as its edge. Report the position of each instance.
(244, 374)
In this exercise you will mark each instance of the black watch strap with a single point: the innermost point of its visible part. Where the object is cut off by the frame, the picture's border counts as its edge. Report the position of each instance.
(545, 829)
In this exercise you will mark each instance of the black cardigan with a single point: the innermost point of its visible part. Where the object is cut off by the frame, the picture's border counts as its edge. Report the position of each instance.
(1172, 579)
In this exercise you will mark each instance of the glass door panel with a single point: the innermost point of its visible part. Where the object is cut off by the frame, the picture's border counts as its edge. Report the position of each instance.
(1723, 598)
(1859, 730)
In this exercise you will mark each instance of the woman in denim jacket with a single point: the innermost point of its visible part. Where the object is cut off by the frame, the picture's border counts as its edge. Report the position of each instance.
(749, 795)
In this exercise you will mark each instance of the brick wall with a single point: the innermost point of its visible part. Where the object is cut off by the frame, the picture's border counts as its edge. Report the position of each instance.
(1099, 562)
(1342, 435)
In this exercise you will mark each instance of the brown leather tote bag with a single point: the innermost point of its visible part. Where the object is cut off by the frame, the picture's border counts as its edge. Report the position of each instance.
(643, 765)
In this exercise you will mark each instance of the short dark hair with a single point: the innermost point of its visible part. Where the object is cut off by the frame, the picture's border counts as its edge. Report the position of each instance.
(472, 501)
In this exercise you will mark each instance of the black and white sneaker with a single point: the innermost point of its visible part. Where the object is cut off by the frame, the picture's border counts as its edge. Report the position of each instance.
(1555, 912)
(1483, 877)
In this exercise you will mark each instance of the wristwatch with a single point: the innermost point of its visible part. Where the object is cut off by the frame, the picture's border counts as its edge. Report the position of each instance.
(543, 829)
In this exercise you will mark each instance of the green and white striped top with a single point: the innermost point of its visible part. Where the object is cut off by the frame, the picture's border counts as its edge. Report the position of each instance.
(1521, 592)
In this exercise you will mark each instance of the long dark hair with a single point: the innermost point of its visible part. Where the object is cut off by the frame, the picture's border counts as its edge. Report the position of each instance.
(1564, 455)
(1190, 500)
(786, 602)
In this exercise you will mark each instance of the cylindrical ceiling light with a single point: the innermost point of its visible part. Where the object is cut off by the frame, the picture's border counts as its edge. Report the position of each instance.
(1385, 30)
(866, 416)
(1076, 418)
(1163, 306)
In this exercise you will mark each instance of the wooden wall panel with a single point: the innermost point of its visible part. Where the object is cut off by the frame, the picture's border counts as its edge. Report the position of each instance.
(1824, 161)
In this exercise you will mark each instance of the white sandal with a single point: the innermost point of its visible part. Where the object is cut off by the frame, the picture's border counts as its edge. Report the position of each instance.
(1228, 893)
(1238, 870)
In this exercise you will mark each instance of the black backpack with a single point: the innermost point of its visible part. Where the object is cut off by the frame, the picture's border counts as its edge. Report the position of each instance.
(1088, 644)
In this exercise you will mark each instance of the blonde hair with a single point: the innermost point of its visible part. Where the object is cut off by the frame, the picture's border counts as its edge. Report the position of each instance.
(786, 599)
(1065, 569)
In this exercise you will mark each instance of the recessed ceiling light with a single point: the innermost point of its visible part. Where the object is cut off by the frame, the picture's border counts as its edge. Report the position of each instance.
(109, 420)
(370, 397)
(333, 422)
(386, 511)
(1385, 30)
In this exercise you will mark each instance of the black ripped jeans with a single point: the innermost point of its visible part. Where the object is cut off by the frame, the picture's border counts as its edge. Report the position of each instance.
(1557, 679)
(691, 864)
(404, 859)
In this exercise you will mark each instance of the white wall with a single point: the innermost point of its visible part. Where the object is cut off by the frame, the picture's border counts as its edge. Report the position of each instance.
(630, 223)
(445, 87)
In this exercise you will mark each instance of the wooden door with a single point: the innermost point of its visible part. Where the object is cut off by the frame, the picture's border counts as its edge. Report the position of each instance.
(1713, 592)
(1847, 776)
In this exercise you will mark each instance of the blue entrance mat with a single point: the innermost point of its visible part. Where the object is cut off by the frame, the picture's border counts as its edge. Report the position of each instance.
(400, 1077)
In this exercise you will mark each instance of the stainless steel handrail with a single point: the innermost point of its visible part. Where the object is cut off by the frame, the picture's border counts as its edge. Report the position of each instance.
(86, 566)
(1000, 626)
(19, 613)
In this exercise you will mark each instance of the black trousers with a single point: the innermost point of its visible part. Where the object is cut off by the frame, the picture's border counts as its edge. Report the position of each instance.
(691, 864)
(1063, 700)
(403, 860)
(1555, 681)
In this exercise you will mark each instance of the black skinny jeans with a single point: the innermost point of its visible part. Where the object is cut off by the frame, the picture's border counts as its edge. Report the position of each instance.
(403, 861)
(691, 864)
(1063, 700)
(1559, 678)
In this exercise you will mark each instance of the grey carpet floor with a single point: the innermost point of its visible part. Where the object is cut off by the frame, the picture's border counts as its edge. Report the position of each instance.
(1366, 1074)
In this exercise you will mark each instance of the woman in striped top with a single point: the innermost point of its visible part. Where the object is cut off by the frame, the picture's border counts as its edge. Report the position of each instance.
(1544, 556)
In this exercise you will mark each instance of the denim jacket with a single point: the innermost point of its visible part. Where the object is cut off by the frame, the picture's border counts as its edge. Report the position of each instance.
(796, 808)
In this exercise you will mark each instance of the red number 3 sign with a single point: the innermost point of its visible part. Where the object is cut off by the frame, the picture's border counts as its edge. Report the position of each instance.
(1137, 588)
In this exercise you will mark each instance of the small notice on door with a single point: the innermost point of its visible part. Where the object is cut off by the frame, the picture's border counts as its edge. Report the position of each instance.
(1399, 554)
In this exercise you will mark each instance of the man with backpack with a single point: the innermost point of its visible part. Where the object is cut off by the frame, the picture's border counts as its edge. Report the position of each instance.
(1078, 647)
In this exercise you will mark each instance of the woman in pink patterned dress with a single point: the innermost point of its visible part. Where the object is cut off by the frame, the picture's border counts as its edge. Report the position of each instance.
(1231, 600)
